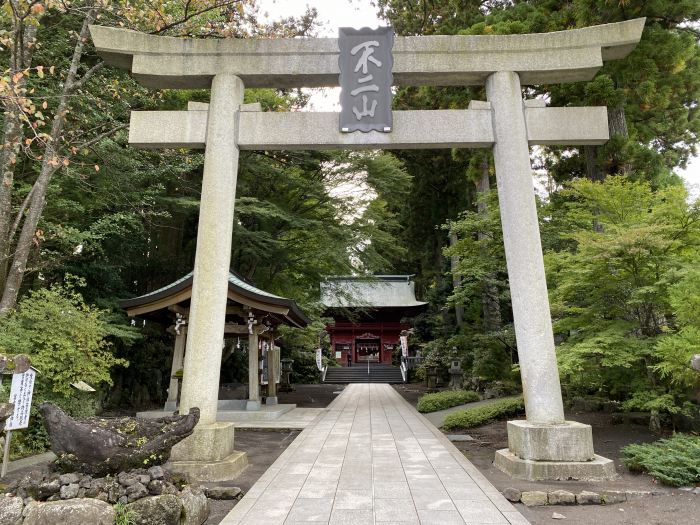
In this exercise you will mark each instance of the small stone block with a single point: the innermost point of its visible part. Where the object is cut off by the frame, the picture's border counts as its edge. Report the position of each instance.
(588, 498)
(222, 492)
(561, 497)
(557, 516)
(637, 494)
(534, 498)
(511, 494)
(614, 496)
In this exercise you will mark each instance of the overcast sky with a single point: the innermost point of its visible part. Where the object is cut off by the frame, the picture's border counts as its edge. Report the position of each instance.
(360, 13)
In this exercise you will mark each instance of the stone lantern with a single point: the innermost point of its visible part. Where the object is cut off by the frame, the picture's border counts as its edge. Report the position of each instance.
(431, 373)
(456, 374)
(285, 381)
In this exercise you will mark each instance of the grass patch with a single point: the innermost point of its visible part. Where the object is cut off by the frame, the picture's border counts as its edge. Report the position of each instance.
(446, 399)
(673, 461)
(474, 417)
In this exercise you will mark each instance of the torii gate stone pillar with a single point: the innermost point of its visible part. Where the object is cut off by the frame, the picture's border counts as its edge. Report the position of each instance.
(544, 446)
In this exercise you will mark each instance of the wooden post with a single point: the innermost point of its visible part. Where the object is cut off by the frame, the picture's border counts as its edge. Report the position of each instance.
(6, 453)
(272, 373)
(253, 372)
(178, 363)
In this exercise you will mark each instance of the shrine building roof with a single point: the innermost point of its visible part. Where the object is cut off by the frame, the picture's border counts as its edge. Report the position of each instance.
(378, 291)
(240, 292)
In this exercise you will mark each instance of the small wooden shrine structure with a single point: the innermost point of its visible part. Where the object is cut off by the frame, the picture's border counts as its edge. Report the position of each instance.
(249, 311)
(369, 315)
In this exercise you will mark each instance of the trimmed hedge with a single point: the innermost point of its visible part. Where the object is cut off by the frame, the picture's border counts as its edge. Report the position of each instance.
(673, 461)
(446, 399)
(474, 417)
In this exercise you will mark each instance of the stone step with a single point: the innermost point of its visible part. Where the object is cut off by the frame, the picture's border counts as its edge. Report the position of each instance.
(378, 373)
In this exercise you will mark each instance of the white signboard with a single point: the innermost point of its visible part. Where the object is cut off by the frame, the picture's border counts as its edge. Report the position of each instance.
(319, 360)
(404, 345)
(21, 396)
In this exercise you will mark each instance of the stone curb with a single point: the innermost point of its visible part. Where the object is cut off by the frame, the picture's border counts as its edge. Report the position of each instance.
(536, 498)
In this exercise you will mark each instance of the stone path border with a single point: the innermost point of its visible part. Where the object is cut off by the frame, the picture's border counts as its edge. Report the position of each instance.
(371, 458)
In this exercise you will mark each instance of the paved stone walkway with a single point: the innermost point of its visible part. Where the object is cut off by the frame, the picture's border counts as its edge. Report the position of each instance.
(297, 419)
(371, 458)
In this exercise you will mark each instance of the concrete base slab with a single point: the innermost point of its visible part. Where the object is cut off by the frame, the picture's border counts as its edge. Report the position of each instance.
(224, 470)
(599, 468)
(570, 441)
(252, 405)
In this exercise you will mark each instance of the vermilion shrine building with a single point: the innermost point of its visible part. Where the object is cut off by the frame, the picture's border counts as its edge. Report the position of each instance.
(369, 316)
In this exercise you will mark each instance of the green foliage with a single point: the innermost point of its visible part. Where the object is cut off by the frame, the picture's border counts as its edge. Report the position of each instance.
(123, 515)
(474, 417)
(66, 340)
(613, 289)
(446, 399)
(674, 461)
(64, 336)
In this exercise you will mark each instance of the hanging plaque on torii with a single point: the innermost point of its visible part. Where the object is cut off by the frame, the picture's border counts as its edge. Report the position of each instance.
(365, 63)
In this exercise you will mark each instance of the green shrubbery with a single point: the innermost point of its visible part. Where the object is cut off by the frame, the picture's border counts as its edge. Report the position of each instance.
(446, 399)
(674, 461)
(67, 341)
(473, 417)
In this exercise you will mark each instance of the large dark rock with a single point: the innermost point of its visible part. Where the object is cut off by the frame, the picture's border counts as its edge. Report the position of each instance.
(71, 512)
(157, 510)
(100, 446)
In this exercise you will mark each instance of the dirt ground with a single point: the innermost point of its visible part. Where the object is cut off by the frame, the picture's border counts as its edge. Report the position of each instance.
(668, 507)
(263, 449)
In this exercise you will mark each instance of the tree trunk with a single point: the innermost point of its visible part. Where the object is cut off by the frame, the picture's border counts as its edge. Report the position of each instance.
(51, 162)
(593, 170)
(617, 123)
(24, 38)
(617, 126)
(489, 295)
(456, 282)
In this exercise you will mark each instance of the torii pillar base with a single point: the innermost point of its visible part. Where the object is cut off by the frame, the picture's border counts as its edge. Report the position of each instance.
(538, 452)
(208, 454)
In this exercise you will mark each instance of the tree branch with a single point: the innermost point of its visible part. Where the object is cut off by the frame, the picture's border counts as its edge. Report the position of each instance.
(88, 74)
(192, 15)
(18, 218)
(101, 136)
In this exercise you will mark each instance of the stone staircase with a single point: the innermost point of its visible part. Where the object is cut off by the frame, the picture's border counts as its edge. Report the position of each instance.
(378, 373)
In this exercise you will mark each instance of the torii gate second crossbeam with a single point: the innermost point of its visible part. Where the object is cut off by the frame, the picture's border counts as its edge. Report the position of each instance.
(542, 447)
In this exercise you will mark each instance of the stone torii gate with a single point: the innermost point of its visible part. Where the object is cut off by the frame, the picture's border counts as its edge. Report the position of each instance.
(543, 446)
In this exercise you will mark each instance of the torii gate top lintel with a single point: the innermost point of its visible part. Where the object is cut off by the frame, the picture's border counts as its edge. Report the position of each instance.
(562, 56)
